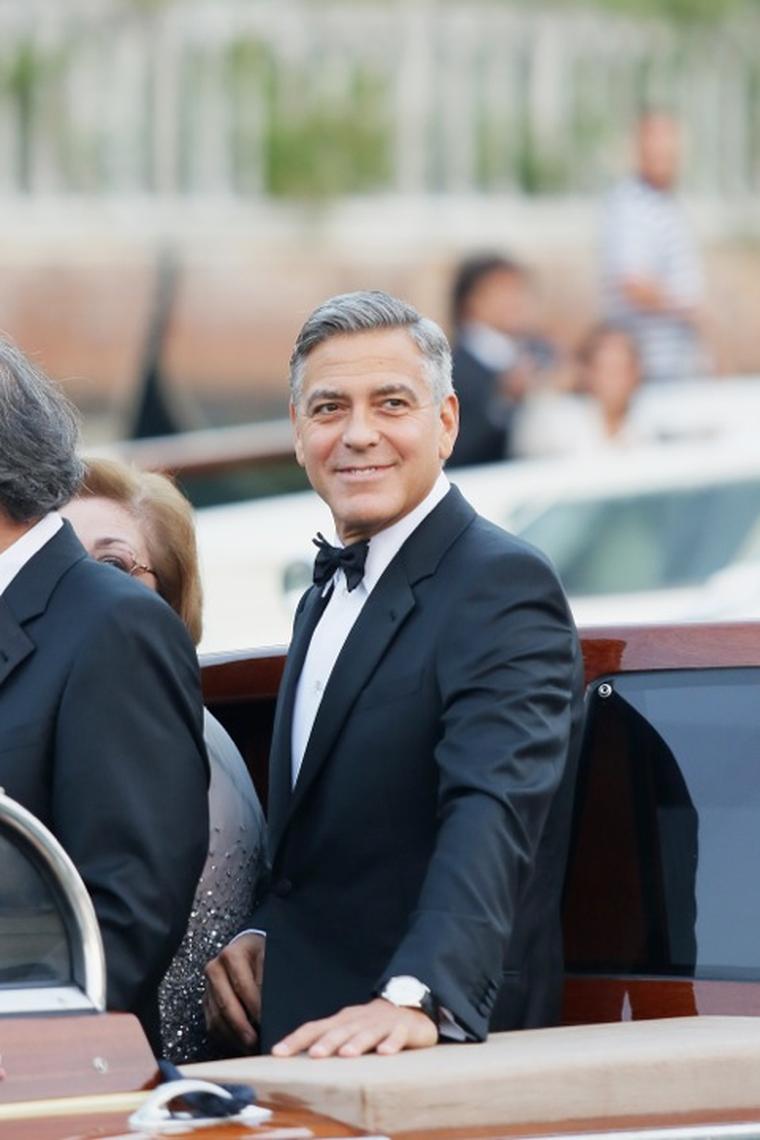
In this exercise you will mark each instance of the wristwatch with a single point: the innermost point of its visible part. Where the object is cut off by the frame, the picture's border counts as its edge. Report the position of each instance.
(410, 993)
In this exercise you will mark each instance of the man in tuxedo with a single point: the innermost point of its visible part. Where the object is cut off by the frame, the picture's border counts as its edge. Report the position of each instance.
(498, 357)
(100, 706)
(425, 737)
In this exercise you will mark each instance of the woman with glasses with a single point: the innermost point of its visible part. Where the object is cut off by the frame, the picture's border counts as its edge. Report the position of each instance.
(141, 524)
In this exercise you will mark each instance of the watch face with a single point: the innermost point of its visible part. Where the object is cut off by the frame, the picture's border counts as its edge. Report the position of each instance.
(405, 990)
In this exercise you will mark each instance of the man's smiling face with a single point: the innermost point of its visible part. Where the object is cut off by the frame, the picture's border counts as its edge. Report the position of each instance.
(368, 431)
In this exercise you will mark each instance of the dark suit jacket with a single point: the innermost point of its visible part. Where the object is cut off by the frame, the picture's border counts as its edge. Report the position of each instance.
(427, 831)
(484, 414)
(101, 738)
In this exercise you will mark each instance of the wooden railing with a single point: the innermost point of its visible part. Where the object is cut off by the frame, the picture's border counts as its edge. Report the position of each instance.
(211, 451)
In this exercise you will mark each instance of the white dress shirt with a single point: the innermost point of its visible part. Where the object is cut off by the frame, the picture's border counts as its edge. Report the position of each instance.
(24, 549)
(495, 350)
(339, 615)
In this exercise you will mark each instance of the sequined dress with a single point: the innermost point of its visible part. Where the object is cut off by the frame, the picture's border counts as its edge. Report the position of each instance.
(223, 898)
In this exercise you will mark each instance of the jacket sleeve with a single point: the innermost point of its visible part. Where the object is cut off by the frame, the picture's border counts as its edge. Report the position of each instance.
(508, 673)
(130, 782)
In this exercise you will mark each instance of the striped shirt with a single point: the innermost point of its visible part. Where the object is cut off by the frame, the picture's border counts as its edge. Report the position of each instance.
(646, 235)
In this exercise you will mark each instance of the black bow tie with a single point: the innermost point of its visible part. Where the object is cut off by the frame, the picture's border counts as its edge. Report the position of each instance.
(349, 559)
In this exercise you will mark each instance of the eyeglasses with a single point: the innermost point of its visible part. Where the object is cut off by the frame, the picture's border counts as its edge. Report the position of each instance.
(128, 564)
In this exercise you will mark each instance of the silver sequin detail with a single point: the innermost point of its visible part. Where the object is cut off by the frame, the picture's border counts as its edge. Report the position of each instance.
(223, 898)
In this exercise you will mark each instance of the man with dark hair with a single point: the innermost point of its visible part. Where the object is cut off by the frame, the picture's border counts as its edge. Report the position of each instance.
(100, 707)
(497, 354)
(424, 745)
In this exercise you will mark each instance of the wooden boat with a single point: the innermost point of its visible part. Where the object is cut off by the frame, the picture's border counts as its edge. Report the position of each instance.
(661, 927)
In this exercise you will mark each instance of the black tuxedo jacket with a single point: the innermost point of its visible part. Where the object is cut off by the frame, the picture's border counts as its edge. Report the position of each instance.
(101, 738)
(428, 827)
(485, 415)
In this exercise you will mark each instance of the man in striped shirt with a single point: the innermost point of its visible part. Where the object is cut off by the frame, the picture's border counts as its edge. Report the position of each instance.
(652, 278)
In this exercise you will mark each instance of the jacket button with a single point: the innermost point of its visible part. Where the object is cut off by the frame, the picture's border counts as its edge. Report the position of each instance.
(282, 888)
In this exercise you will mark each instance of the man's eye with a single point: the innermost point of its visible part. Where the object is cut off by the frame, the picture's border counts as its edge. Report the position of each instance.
(326, 409)
(395, 403)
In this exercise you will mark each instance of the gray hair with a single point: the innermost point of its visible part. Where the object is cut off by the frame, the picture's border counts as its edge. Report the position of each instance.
(366, 312)
(39, 430)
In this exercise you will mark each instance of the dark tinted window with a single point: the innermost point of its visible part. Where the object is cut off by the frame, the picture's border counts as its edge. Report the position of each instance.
(664, 865)
(647, 541)
(34, 947)
(211, 488)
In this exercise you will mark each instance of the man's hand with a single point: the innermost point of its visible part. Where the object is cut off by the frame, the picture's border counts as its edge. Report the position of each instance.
(232, 1001)
(379, 1026)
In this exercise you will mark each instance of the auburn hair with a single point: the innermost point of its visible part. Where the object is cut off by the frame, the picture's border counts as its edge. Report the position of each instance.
(166, 518)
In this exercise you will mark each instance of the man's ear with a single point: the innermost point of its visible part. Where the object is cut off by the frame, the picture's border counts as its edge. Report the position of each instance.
(296, 433)
(449, 414)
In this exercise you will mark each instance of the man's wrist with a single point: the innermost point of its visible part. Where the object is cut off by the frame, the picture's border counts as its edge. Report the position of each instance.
(408, 992)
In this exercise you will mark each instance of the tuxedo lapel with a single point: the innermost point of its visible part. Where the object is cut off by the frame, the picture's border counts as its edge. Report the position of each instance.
(280, 762)
(385, 611)
(15, 645)
(28, 594)
(369, 640)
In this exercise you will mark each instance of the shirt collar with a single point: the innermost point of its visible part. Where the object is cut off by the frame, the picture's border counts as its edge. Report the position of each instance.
(15, 558)
(491, 348)
(385, 545)
(659, 191)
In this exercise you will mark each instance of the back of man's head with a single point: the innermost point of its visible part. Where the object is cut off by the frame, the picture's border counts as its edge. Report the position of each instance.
(39, 431)
(371, 311)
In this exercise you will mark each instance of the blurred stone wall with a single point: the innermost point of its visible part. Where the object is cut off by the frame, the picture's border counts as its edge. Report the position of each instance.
(76, 289)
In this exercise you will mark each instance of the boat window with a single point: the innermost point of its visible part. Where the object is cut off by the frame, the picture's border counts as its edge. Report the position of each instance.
(34, 947)
(663, 867)
(647, 541)
(51, 954)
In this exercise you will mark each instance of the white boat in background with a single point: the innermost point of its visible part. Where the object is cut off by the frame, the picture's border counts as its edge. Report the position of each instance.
(662, 533)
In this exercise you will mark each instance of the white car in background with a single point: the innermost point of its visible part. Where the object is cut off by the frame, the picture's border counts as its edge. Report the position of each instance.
(664, 533)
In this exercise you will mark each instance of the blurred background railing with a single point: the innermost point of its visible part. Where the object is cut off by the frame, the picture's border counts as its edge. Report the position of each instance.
(309, 100)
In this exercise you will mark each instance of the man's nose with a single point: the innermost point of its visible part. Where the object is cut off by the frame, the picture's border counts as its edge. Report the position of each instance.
(359, 430)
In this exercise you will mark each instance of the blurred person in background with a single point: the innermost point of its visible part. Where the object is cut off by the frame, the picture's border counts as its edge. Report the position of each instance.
(100, 703)
(651, 273)
(497, 355)
(610, 376)
(598, 415)
(141, 524)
